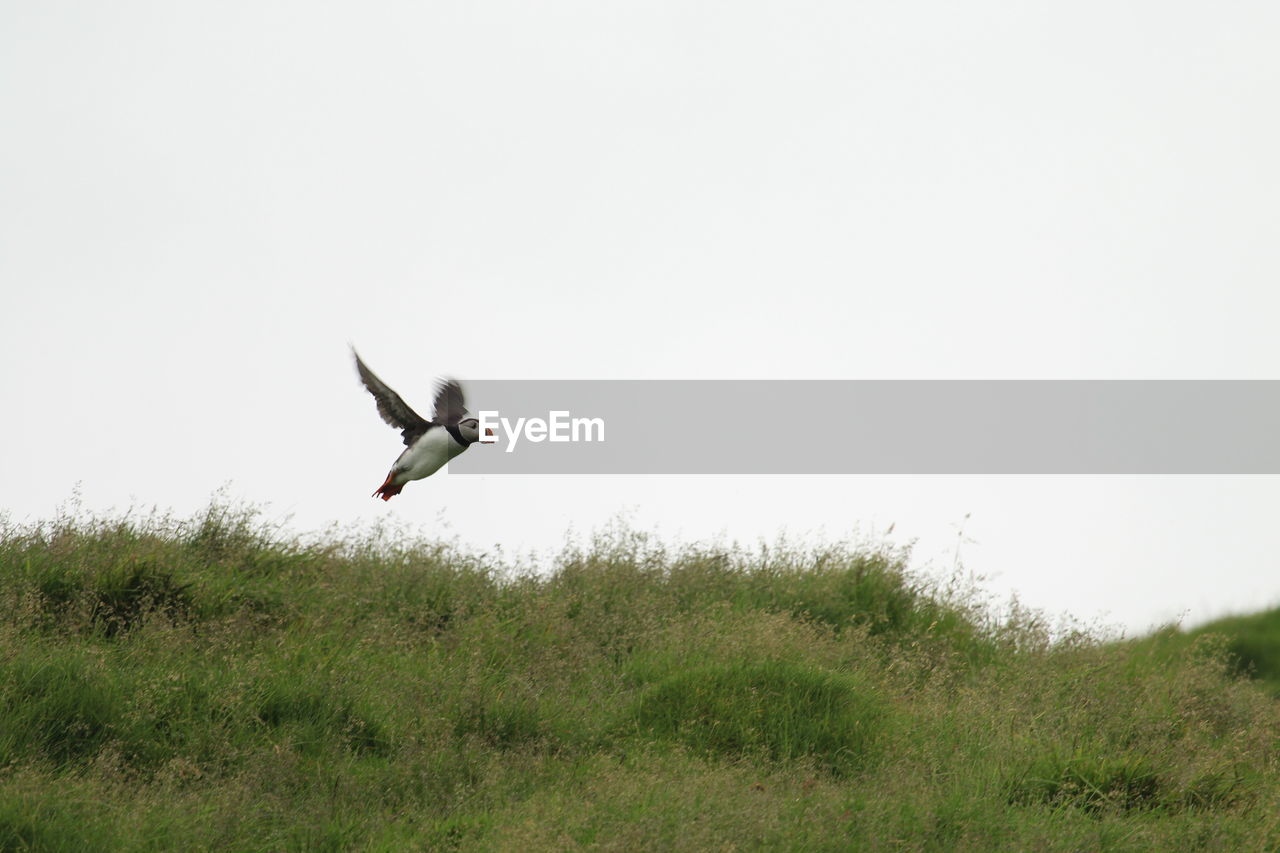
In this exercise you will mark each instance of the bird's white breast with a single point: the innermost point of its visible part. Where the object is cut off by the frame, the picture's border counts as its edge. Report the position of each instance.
(428, 454)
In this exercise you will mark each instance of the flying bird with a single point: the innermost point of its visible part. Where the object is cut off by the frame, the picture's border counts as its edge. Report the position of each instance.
(429, 444)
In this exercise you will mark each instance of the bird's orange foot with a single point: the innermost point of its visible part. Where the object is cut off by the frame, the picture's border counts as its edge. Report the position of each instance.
(388, 490)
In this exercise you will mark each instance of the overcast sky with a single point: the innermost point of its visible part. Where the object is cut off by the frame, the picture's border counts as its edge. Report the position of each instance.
(201, 204)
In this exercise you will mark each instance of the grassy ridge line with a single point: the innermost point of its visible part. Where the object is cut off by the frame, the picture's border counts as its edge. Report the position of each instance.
(213, 683)
(1251, 642)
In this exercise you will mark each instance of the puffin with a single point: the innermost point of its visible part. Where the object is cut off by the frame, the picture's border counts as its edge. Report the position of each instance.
(429, 444)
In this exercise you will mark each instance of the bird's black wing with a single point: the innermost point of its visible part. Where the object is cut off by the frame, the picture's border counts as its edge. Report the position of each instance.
(393, 409)
(450, 406)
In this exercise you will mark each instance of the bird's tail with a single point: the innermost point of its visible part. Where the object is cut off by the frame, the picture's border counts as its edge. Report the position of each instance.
(388, 490)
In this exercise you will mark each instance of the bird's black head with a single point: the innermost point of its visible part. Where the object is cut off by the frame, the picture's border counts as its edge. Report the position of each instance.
(470, 429)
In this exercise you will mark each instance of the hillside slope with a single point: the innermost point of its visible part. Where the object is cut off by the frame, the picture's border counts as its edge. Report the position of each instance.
(212, 683)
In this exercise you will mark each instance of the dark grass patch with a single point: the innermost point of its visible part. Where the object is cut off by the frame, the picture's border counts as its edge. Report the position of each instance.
(124, 596)
(1249, 643)
(106, 598)
(781, 709)
(1090, 782)
(1252, 643)
(66, 707)
(500, 723)
(1125, 782)
(315, 719)
(58, 707)
(451, 832)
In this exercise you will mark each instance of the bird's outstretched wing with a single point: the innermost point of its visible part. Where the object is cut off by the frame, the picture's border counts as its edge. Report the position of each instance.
(450, 406)
(393, 409)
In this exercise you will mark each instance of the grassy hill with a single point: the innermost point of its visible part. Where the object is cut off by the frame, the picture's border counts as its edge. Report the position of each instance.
(212, 683)
(1253, 642)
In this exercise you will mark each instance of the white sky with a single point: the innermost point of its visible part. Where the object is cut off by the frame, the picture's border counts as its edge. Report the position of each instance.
(201, 204)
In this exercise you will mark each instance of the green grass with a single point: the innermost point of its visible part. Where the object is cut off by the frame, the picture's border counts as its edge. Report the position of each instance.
(218, 683)
(1253, 644)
